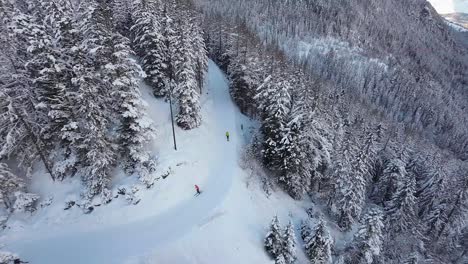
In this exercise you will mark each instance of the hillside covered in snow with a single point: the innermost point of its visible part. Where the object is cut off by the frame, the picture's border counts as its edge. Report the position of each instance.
(219, 131)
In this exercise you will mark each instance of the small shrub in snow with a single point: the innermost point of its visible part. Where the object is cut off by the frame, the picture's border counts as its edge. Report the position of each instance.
(167, 173)
(69, 204)
(131, 196)
(267, 186)
(121, 191)
(25, 202)
(47, 202)
(3, 221)
(7, 257)
(146, 171)
(106, 196)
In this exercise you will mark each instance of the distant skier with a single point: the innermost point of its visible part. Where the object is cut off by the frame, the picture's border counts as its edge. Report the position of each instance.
(227, 135)
(197, 189)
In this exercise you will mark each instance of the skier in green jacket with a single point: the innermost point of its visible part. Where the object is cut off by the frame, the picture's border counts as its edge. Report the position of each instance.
(227, 135)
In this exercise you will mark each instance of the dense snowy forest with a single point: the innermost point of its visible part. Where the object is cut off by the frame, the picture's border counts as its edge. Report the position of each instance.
(362, 107)
(69, 94)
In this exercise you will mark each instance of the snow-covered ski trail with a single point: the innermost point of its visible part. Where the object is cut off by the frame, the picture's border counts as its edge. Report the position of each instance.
(115, 244)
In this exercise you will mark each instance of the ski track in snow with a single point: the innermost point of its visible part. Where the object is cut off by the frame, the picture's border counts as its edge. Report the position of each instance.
(115, 243)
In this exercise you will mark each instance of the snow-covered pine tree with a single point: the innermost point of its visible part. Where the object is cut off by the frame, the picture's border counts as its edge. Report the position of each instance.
(431, 198)
(348, 195)
(22, 124)
(457, 214)
(149, 40)
(280, 259)
(463, 243)
(431, 189)
(135, 129)
(274, 239)
(200, 53)
(289, 244)
(319, 244)
(306, 232)
(369, 237)
(275, 105)
(368, 154)
(302, 149)
(186, 91)
(122, 11)
(9, 184)
(400, 210)
(412, 259)
(394, 173)
(170, 31)
(97, 151)
(51, 70)
(293, 151)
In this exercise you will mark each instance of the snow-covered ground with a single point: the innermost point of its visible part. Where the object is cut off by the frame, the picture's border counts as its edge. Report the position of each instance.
(456, 26)
(225, 224)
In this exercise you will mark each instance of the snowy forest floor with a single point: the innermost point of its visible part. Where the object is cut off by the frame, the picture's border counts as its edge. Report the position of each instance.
(225, 224)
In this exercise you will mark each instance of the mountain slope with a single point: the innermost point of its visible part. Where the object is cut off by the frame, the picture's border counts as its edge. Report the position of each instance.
(170, 223)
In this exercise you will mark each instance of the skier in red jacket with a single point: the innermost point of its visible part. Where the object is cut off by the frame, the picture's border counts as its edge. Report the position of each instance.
(197, 189)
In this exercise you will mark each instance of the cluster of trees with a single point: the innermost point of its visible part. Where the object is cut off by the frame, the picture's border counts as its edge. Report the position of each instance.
(281, 244)
(325, 142)
(69, 84)
(166, 35)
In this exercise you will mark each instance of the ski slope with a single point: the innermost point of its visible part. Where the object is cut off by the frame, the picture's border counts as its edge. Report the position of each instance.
(225, 224)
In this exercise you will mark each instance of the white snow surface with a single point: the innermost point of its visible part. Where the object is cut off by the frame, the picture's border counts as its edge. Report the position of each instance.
(225, 224)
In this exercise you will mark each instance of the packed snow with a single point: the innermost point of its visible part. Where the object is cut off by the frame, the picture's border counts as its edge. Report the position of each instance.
(225, 224)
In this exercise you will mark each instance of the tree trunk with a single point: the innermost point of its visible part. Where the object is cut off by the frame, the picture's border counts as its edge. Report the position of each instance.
(35, 140)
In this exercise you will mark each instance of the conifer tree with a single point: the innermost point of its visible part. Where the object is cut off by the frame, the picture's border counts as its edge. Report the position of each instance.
(412, 259)
(289, 244)
(22, 124)
(275, 107)
(9, 184)
(149, 41)
(274, 240)
(394, 173)
(135, 129)
(318, 245)
(369, 237)
(96, 149)
(400, 210)
(348, 187)
(186, 90)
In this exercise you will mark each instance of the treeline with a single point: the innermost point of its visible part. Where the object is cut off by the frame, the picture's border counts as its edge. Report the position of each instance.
(69, 84)
(409, 197)
(399, 58)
